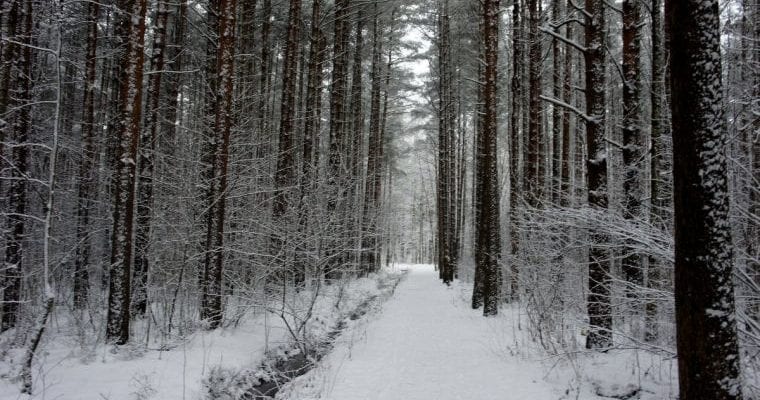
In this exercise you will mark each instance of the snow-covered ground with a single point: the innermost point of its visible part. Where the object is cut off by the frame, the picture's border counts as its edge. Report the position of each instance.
(65, 371)
(423, 343)
(428, 344)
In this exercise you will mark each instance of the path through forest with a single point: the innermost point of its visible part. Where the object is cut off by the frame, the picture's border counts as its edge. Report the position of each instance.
(427, 344)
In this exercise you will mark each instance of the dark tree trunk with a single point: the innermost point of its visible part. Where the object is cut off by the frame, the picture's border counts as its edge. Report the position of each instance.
(752, 62)
(355, 137)
(477, 177)
(633, 154)
(209, 148)
(535, 168)
(557, 113)
(337, 159)
(213, 269)
(146, 162)
(568, 97)
(356, 132)
(313, 112)
(265, 71)
(371, 202)
(659, 132)
(285, 176)
(8, 64)
(445, 172)
(132, 19)
(599, 281)
(86, 166)
(708, 354)
(515, 164)
(489, 244)
(339, 92)
(19, 122)
(175, 58)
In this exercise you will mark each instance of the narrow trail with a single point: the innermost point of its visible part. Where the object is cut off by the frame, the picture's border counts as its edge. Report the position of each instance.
(427, 344)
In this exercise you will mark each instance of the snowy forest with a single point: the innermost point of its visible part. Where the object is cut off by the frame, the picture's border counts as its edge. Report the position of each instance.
(380, 199)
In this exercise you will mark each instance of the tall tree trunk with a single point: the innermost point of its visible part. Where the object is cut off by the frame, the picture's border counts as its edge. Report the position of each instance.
(337, 162)
(557, 113)
(752, 62)
(146, 162)
(515, 168)
(339, 91)
(285, 176)
(355, 137)
(87, 164)
(382, 162)
(312, 123)
(658, 168)
(633, 154)
(20, 125)
(356, 132)
(477, 177)
(568, 97)
(176, 62)
(489, 243)
(213, 268)
(445, 147)
(370, 211)
(535, 171)
(209, 148)
(8, 64)
(132, 19)
(708, 353)
(265, 71)
(599, 280)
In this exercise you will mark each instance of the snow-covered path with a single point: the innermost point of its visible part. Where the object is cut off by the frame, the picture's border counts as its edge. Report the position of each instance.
(426, 344)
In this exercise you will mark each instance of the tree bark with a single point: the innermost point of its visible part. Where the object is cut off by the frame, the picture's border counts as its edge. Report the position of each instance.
(557, 113)
(285, 176)
(633, 154)
(535, 168)
(598, 304)
(489, 244)
(515, 169)
(445, 147)
(337, 162)
(19, 123)
(567, 117)
(708, 354)
(659, 132)
(132, 19)
(371, 201)
(86, 166)
(214, 262)
(146, 162)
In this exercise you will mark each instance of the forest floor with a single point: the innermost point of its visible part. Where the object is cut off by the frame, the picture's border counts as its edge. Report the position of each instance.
(427, 343)
(423, 342)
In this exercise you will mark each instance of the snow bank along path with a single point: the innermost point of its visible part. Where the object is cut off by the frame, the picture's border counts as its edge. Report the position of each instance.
(426, 344)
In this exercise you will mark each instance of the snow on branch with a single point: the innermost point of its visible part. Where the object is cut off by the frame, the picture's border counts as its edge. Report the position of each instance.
(572, 108)
(579, 8)
(562, 38)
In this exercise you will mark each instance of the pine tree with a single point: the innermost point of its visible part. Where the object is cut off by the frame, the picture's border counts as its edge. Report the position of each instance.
(633, 154)
(708, 354)
(285, 175)
(19, 125)
(132, 19)
(213, 268)
(488, 243)
(146, 163)
(599, 280)
(86, 165)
